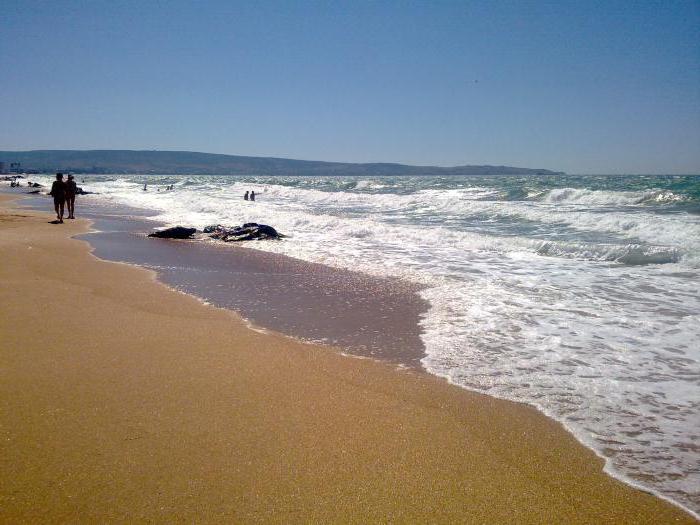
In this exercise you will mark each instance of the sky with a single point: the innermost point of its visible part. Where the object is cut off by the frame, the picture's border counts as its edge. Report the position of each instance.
(583, 87)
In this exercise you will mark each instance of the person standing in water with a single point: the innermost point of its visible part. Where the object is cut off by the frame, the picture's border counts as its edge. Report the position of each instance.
(71, 189)
(252, 195)
(245, 197)
(58, 192)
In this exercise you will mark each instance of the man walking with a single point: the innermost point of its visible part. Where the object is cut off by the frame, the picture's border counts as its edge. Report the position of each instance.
(58, 192)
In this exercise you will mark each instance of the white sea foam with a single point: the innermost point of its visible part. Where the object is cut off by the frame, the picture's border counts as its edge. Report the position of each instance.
(583, 302)
(610, 198)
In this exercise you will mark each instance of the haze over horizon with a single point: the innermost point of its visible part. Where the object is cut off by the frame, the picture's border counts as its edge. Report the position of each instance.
(605, 87)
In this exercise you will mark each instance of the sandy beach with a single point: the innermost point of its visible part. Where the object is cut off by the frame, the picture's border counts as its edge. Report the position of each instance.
(123, 400)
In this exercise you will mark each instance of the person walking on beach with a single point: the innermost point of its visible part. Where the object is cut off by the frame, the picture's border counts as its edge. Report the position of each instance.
(71, 189)
(58, 192)
(252, 195)
(245, 197)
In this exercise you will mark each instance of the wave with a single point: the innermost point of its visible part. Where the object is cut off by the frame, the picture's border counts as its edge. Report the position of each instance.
(469, 217)
(434, 240)
(368, 185)
(630, 254)
(610, 198)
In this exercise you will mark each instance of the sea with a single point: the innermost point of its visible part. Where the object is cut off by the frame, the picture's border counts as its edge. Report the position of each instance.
(579, 295)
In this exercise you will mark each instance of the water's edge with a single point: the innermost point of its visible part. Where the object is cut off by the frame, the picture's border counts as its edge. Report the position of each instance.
(308, 301)
(102, 240)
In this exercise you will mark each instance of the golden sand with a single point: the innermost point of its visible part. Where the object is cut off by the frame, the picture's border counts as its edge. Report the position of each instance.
(122, 400)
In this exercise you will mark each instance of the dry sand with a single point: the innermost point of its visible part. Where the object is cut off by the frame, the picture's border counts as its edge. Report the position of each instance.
(122, 400)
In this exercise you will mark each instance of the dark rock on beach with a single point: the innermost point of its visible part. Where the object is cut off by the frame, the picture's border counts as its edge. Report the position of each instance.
(178, 232)
(250, 231)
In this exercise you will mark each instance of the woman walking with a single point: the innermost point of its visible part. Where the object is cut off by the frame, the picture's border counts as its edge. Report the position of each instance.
(71, 189)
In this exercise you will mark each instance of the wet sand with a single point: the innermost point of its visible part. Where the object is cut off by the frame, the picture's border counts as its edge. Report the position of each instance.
(123, 400)
(310, 301)
(365, 315)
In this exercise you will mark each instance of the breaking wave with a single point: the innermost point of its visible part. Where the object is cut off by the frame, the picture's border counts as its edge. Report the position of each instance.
(611, 198)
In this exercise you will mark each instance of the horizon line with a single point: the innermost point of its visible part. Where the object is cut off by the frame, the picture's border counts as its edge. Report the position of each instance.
(274, 157)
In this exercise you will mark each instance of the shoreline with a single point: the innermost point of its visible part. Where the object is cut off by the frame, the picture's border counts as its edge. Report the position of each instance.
(411, 361)
(309, 301)
(417, 402)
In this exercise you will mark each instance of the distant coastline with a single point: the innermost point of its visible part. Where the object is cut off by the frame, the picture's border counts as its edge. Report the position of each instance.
(197, 163)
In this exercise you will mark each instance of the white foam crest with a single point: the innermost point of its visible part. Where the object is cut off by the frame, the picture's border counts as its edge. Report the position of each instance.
(610, 198)
(297, 210)
(369, 185)
(681, 232)
(375, 201)
(678, 230)
(401, 238)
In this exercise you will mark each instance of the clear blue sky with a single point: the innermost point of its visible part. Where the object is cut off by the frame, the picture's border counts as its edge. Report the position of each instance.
(582, 86)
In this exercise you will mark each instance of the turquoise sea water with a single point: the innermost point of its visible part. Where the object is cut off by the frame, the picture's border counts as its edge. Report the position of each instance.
(577, 294)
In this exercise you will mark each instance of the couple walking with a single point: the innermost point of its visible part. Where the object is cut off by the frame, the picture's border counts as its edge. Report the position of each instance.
(63, 193)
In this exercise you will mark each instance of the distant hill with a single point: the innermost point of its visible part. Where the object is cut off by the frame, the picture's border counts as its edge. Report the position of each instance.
(190, 162)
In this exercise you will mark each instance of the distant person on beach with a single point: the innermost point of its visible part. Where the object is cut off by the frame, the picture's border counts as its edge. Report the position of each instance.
(58, 192)
(71, 190)
(252, 195)
(245, 197)
(145, 187)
